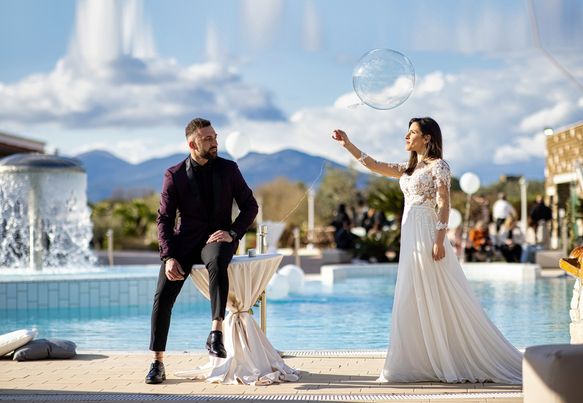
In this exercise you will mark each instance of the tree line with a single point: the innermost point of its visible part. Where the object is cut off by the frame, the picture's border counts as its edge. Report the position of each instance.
(133, 219)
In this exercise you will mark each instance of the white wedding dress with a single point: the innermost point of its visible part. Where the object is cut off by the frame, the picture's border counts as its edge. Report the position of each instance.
(440, 332)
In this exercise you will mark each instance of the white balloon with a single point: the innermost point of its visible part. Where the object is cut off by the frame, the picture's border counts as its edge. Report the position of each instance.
(237, 145)
(278, 287)
(455, 218)
(295, 277)
(470, 183)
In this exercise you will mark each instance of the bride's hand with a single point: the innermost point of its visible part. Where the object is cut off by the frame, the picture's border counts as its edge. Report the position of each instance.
(340, 136)
(438, 252)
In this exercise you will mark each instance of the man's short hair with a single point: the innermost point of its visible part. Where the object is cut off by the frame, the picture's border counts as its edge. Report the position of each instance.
(195, 124)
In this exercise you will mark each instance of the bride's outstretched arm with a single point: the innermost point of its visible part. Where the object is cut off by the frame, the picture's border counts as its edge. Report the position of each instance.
(383, 168)
(442, 178)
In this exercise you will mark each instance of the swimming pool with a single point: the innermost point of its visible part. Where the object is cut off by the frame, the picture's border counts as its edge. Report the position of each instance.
(353, 314)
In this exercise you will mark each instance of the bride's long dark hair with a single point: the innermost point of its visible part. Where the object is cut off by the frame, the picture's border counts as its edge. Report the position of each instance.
(434, 148)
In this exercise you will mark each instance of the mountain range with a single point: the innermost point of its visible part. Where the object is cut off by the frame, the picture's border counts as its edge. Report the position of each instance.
(108, 175)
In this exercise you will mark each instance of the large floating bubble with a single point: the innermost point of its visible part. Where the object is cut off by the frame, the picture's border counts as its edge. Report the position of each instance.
(383, 78)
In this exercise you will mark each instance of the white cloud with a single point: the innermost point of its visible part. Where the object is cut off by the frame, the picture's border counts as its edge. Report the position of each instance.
(111, 77)
(116, 94)
(487, 117)
(551, 116)
(433, 82)
(522, 149)
(135, 150)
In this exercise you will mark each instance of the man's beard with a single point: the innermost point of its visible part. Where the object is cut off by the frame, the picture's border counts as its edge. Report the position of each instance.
(210, 154)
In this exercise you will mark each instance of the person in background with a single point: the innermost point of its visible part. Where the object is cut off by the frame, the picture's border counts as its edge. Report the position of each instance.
(539, 215)
(480, 245)
(342, 224)
(373, 221)
(501, 210)
(511, 240)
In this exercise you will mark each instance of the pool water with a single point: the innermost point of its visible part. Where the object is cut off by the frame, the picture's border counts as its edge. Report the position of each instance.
(354, 314)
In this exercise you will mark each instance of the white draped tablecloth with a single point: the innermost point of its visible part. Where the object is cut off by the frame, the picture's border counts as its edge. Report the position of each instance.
(251, 359)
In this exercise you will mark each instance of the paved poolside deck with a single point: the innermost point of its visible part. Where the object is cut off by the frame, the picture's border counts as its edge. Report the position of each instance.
(328, 376)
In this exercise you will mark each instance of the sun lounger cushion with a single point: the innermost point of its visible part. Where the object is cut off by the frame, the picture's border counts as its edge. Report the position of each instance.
(11, 341)
(552, 373)
(43, 348)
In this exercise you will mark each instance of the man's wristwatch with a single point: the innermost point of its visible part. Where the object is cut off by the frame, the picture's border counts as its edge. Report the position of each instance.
(167, 258)
(233, 235)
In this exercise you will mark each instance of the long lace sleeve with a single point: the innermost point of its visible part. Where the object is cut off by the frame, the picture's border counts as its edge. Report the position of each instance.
(442, 177)
(399, 167)
(391, 169)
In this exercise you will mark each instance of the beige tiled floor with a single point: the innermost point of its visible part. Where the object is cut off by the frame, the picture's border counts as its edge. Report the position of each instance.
(105, 376)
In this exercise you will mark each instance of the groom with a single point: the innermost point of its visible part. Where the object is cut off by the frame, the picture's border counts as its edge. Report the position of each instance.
(195, 226)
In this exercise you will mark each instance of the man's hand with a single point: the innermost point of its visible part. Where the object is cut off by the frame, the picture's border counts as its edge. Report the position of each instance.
(173, 270)
(220, 236)
(438, 252)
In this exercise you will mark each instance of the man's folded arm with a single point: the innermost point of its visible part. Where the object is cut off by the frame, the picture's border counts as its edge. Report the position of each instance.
(246, 202)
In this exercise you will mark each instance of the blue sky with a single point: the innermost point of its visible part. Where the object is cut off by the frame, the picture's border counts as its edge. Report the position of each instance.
(126, 76)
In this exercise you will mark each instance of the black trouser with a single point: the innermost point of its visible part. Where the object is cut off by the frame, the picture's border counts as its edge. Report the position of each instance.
(216, 257)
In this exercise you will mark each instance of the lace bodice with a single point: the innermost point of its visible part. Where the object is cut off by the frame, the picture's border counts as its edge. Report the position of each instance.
(427, 184)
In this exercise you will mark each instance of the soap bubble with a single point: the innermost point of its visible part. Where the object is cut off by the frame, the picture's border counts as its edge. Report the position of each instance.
(383, 78)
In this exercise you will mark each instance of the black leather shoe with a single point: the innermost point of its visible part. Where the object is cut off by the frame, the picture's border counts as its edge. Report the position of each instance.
(157, 373)
(214, 344)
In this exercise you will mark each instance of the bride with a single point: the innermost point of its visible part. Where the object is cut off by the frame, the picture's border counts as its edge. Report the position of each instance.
(439, 330)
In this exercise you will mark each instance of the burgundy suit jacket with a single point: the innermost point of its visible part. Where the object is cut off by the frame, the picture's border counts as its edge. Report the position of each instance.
(184, 224)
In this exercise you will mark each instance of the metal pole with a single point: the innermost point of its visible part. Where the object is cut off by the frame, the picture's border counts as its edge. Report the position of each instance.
(311, 196)
(296, 233)
(109, 234)
(465, 231)
(563, 224)
(523, 219)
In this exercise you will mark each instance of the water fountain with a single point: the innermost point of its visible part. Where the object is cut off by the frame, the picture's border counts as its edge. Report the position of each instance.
(44, 217)
(45, 234)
